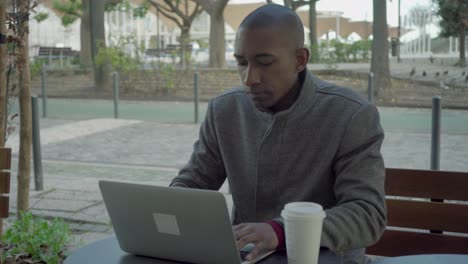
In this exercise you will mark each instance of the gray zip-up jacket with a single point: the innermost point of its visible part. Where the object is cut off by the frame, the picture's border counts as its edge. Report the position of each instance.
(325, 148)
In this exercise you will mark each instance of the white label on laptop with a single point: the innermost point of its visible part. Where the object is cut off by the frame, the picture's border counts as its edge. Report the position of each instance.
(166, 224)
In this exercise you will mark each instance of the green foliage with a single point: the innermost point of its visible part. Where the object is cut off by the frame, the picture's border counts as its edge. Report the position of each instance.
(340, 49)
(71, 10)
(36, 66)
(140, 11)
(116, 57)
(454, 14)
(335, 51)
(124, 6)
(39, 17)
(42, 240)
(314, 53)
(362, 47)
(167, 71)
(119, 6)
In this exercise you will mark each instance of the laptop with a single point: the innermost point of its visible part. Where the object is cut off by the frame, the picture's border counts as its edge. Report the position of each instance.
(180, 224)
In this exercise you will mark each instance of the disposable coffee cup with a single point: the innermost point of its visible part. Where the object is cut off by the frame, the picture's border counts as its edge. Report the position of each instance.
(303, 229)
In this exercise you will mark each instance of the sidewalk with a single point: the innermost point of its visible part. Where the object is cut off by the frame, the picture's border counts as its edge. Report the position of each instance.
(77, 154)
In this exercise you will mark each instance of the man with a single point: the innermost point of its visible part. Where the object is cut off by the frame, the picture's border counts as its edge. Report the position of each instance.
(287, 136)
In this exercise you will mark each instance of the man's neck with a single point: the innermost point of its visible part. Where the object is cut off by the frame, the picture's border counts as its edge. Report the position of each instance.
(291, 97)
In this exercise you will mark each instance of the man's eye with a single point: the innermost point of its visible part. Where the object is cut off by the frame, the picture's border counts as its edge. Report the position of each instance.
(265, 63)
(242, 63)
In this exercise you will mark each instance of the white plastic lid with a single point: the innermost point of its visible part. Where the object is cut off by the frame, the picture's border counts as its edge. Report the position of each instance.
(303, 209)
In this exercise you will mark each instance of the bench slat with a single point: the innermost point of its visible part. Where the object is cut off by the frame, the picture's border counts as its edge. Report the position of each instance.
(399, 243)
(426, 184)
(5, 158)
(4, 182)
(427, 215)
(4, 202)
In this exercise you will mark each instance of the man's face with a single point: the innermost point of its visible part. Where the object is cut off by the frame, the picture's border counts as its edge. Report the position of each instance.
(267, 64)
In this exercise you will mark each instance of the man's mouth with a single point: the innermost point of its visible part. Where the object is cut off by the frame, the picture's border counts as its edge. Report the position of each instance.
(258, 94)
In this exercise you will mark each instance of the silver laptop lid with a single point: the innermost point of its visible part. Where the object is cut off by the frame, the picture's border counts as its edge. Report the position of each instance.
(173, 223)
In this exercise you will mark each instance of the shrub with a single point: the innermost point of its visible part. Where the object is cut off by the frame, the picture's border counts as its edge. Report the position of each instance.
(36, 239)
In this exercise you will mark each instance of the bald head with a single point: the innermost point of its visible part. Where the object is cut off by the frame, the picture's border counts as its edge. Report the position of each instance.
(279, 18)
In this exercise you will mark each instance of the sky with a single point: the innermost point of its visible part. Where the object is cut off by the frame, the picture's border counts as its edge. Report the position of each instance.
(360, 9)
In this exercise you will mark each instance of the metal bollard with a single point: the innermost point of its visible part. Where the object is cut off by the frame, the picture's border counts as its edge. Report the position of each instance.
(36, 140)
(195, 97)
(115, 78)
(435, 141)
(44, 94)
(370, 87)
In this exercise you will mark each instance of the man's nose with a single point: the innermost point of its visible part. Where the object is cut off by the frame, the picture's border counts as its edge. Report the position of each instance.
(251, 76)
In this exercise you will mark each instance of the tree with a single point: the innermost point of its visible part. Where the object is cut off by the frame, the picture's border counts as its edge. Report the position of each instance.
(73, 10)
(92, 32)
(294, 5)
(454, 23)
(3, 82)
(380, 64)
(183, 13)
(22, 65)
(313, 31)
(215, 8)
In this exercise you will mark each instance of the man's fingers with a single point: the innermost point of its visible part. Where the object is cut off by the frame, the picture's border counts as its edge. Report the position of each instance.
(255, 252)
(239, 227)
(246, 239)
(241, 230)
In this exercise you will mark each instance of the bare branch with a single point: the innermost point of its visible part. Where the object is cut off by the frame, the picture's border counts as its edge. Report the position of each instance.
(198, 9)
(176, 9)
(207, 5)
(166, 12)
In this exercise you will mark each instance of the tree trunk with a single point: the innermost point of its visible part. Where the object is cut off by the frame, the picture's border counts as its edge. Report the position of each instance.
(314, 50)
(217, 35)
(85, 35)
(3, 88)
(24, 155)
(380, 61)
(98, 39)
(184, 43)
(461, 44)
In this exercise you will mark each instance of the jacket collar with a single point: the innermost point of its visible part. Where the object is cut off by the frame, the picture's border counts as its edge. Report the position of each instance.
(303, 101)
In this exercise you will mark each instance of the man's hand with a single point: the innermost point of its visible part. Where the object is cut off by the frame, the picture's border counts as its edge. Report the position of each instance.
(261, 235)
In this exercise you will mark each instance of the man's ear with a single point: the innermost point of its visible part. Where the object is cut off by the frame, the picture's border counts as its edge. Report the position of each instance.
(302, 58)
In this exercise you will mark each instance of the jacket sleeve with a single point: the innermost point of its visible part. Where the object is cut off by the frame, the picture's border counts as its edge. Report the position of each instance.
(359, 218)
(205, 169)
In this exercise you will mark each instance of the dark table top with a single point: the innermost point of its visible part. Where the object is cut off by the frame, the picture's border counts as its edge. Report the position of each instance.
(108, 251)
(425, 259)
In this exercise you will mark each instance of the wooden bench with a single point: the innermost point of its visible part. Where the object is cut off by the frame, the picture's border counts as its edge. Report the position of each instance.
(437, 224)
(54, 52)
(5, 165)
(168, 51)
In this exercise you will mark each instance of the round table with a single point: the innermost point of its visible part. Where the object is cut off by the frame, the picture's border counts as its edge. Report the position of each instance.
(425, 259)
(107, 251)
